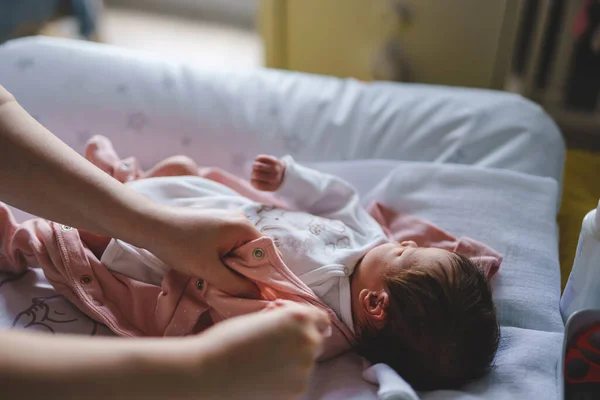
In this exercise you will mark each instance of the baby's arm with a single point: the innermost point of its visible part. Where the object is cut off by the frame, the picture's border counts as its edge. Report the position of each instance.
(173, 166)
(309, 190)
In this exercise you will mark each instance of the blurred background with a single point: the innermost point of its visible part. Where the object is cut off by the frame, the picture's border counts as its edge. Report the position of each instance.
(205, 32)
(546, 50)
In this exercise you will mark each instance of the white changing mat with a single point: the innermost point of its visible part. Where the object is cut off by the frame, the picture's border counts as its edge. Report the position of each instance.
(154, 108)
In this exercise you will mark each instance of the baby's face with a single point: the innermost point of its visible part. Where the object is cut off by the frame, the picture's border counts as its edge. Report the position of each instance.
(395, 256)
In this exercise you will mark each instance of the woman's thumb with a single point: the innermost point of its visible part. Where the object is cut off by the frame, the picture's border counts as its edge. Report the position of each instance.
(229, 281)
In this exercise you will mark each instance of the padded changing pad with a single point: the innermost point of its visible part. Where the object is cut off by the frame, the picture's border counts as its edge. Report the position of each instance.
(153, 108)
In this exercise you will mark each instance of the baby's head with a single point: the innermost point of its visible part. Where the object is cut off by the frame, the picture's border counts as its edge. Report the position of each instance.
(426, 312)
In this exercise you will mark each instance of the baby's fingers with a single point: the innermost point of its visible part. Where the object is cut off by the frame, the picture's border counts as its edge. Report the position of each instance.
(260, 166)
(267, 159)
(264, 186)
(264, 176)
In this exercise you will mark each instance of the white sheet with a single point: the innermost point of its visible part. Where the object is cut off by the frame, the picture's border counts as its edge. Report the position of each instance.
(152, 108)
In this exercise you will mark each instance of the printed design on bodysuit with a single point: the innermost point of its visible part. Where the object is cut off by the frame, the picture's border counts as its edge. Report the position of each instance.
(316, 229)
(337, 226)
(343, 243)
(265, 208)
(330, 247)
(317, 226)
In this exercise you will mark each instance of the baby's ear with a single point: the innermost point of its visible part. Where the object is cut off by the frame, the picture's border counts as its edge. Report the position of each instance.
(376, 306)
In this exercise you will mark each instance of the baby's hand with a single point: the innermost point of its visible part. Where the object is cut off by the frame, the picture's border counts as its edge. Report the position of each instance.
(267, 173)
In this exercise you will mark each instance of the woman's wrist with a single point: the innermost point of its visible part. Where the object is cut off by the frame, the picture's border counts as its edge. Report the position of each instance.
(186, 366)
(137, 220)
(172, 365)
(58, 367)
(158, 228)
(169, 368)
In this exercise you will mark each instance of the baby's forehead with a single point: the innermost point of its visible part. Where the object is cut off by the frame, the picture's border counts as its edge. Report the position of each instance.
(433, 253)
(431, 257)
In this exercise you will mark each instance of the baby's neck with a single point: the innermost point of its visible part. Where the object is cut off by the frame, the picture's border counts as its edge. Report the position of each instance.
(354, 291)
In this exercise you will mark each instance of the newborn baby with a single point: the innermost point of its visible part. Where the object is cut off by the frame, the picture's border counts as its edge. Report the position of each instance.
(426, 312)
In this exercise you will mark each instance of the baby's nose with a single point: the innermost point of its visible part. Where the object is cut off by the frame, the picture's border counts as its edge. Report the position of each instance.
(408, 243)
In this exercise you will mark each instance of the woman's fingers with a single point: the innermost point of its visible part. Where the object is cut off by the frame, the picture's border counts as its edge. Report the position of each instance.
(200, 239)
(314, 317)
(282, 345)
(229, 281)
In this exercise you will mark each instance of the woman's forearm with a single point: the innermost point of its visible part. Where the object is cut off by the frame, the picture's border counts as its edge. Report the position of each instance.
(43, 176)
(34, 366)
(260, 356)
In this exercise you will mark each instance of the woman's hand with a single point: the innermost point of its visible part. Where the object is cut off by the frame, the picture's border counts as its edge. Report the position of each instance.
(257, 356)
(194, 241)
(264, 355)
(267, 173)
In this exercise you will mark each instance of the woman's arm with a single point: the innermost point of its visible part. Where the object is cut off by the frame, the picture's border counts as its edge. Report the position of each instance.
(43, 176)
(265, 356)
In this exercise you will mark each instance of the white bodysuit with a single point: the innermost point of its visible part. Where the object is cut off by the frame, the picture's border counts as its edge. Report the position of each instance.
(321, 244)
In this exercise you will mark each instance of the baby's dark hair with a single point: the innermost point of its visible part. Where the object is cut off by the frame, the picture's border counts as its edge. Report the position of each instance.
(441, 331)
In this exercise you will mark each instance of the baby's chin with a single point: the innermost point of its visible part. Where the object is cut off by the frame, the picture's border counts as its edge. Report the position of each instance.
(358, 324)
(354, 292)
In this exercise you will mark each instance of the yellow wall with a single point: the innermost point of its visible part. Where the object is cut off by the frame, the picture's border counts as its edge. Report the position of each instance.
(458, 42)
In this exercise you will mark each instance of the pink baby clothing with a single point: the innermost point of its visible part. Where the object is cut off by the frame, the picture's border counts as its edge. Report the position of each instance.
(182, 305)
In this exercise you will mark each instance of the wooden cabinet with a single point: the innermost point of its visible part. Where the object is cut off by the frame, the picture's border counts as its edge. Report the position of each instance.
(459, 42)
(557, 63)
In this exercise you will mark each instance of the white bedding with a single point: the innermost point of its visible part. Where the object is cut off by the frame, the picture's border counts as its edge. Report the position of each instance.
(152, 108)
